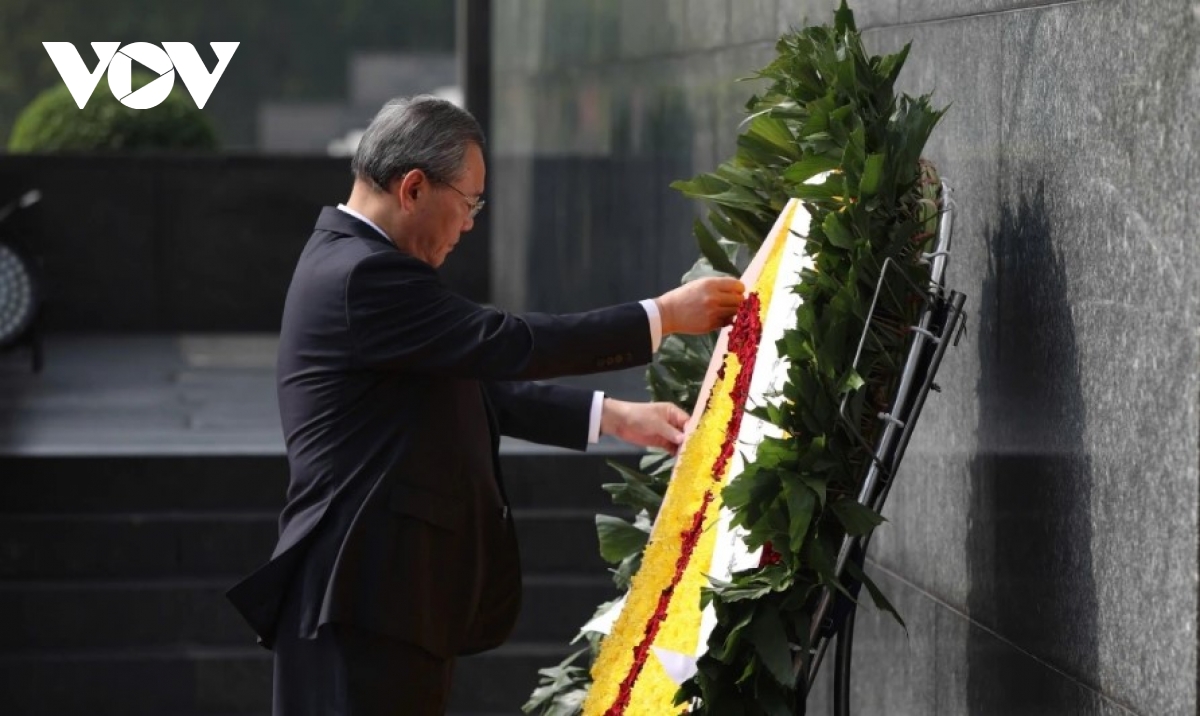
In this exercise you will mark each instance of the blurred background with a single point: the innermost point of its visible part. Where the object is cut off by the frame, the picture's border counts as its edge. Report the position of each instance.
(1043, 537)
(306, 77)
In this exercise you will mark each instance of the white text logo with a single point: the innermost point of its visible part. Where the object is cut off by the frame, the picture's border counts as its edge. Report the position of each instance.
(119, 61)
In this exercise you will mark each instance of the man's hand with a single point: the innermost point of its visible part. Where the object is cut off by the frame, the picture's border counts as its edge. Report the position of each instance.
(657, 425)
(700, 306)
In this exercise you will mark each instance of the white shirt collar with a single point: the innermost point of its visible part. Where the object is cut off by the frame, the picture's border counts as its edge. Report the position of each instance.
(365, 220)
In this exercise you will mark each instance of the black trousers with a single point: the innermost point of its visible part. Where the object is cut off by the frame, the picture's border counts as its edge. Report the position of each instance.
(347, 671)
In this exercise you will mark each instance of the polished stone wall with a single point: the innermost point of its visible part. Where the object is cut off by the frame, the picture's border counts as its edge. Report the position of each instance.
(214, 252)
(1042, 539)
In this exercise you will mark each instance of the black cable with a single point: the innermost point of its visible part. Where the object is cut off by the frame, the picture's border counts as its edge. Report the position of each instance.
(841, 666)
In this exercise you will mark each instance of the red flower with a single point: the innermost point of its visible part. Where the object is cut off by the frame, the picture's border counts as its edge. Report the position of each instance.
(769, 556)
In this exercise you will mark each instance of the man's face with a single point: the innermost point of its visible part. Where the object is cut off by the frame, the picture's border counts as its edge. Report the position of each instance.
(449, 207)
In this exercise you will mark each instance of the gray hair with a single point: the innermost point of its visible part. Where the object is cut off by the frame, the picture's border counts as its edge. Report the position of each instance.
(422, 132)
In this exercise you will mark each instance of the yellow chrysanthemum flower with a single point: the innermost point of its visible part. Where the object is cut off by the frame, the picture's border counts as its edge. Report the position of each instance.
(694, 488)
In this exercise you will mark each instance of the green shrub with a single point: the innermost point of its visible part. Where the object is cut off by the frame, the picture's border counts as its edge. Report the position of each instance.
(52, 122)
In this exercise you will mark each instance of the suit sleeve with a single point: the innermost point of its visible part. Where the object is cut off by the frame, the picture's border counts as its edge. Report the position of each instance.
(401, 317)
(542, 413)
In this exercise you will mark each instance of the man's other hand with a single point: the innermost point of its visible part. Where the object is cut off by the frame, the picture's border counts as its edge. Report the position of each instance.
(657, 425)
(700, 306)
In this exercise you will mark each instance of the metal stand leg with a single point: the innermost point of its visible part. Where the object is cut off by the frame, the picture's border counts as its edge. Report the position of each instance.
(939, 324)
(841, 667)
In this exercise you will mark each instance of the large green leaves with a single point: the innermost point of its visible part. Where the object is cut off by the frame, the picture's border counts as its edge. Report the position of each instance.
(881, 601)
(871, 207)
(561, 689)
(618, 538)
(801, 505)
(855, 519)
(774, 133)
(679, 367)
(718, 255)
(770, 642)
(808, 167)
(637, 489)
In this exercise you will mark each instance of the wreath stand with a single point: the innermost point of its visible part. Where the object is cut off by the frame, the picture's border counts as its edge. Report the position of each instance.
(941, 322)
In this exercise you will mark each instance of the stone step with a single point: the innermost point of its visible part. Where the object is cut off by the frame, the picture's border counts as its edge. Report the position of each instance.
(136, 682)
(197, 545)
(151, 483)
(141, 614)
(502, 680)
(226, 681)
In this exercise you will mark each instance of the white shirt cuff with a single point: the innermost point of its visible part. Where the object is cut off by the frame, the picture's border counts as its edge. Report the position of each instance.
(655, 323)
(594, 420)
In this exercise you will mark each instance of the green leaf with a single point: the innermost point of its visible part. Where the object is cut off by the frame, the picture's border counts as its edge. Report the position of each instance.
(702, 269)
(633, 492)
(817, 486)
(843, 20)
(718, 191)
(618, 538)
(809, 167)
(735, 631)
(712, 250)
(856, 518)
(756, 150)
(749, 671)
(801, 503)
(736, 494)
(656, 461)
(561, 690)
(762, 412)
(770, 642)
(625, 571)
(733, 232)
(662, 383)
(850, 381)
(823, 565)
(872, 175)
(738, 175)
(700, 186)
(827, 192)
(742, 588)
(877, 596)
(836, 232)
(629, 474)
(769, 697)
(890, 66)
(775, 132)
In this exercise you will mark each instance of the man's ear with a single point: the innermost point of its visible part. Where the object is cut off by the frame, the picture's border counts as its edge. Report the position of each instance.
(411, 186)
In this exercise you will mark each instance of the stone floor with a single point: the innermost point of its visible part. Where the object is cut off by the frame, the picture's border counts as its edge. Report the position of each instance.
(171, 394)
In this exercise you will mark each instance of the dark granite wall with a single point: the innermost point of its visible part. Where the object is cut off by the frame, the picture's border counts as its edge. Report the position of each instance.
(1042, 539)
(214, 252)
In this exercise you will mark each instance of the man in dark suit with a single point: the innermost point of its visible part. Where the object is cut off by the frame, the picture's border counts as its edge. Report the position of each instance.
(396, 550)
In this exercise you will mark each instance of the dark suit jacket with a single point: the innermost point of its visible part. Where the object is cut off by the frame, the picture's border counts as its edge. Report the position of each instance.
(393, 393)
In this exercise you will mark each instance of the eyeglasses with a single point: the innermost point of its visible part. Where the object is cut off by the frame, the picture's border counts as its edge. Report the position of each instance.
(475, 204)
